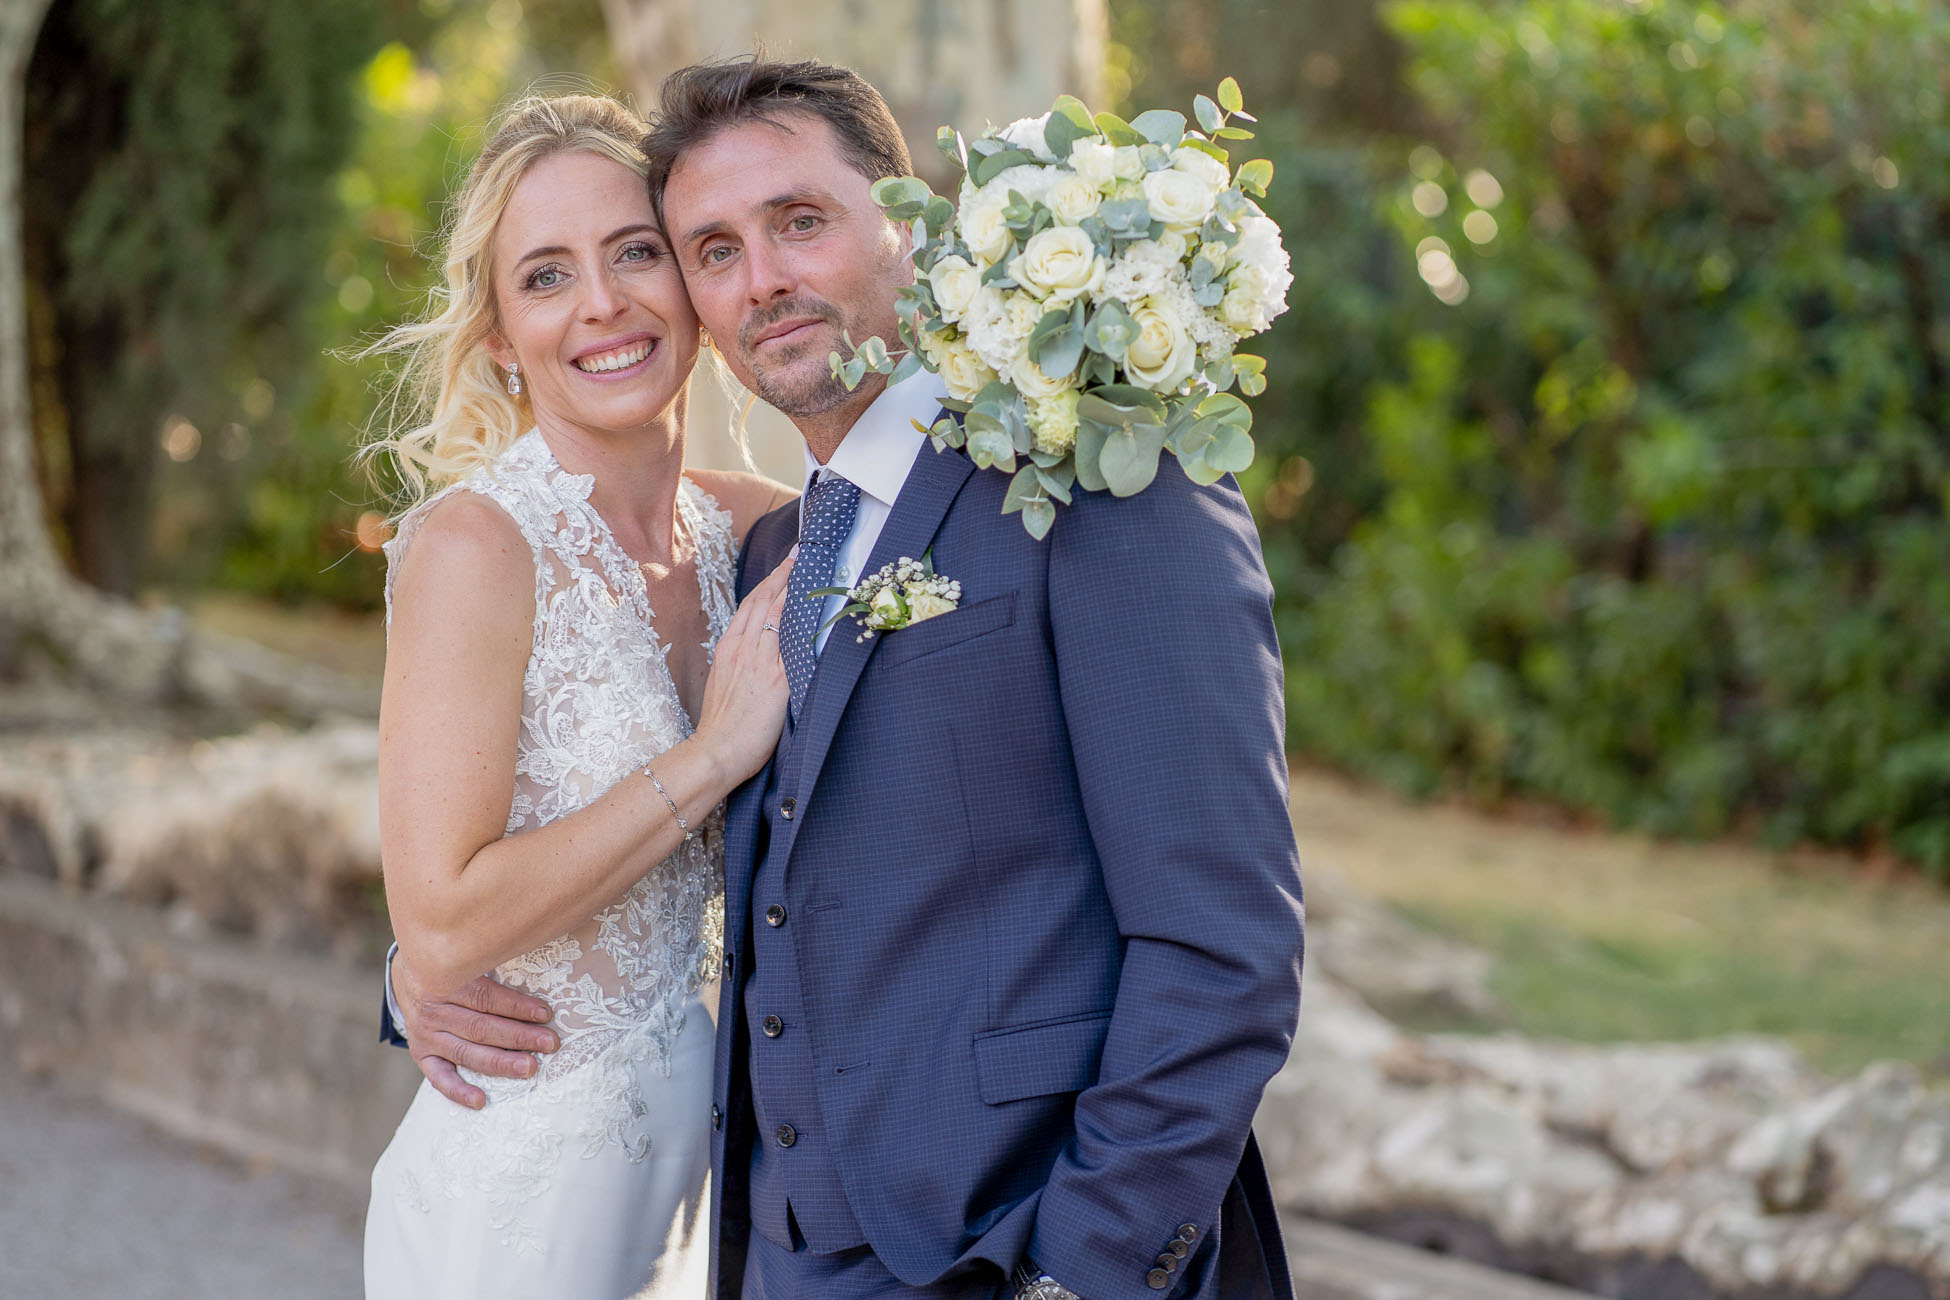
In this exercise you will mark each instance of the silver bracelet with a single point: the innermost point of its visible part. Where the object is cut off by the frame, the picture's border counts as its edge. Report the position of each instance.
(682, 825)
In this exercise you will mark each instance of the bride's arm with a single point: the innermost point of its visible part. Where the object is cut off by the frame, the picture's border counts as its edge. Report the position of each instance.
(463, 898)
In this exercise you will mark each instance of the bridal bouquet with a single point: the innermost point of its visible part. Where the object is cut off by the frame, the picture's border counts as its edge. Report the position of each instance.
(1083, 298)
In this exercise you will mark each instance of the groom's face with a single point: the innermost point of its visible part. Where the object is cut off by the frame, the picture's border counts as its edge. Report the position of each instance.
(783, 249)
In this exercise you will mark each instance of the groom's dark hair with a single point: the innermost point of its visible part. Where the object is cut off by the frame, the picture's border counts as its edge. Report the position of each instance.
(699, 101)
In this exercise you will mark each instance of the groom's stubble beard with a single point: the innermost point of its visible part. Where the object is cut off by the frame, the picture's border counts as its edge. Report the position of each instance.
(803, 389)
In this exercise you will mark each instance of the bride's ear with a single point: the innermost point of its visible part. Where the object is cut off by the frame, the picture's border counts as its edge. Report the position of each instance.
(498, 350)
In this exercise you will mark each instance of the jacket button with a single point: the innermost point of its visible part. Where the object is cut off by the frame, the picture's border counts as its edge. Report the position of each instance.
(773, 1026)
(717, 1118)
(1188, 1233)
(1168, 1262)
(775, 916)
(1178, 1248)
(1158, 1279)
(786, 805)
(786, 1135)
(727, 965)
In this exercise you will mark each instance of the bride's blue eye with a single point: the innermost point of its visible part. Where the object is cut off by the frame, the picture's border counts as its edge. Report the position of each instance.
(543, 277)
(640, 253)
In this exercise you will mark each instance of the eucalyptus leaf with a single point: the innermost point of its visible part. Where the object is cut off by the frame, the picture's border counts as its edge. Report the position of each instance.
(1090, 445)
(1233, 132)
(949, 141)
(1130, 396)
(910, 365)
(1111, 330)
(1229, 97)
(873, 351)
(1207, 148)
(890, 191)
(1255, 176)
(1252, 373)
(1209, 296)
(1060, 133)
(1161, 126)
(1023, 488)
(1221, 373)
(1060, 352)
(1075, 110)
(1056, 480)
(1129, 459)
(995, 164)
(1207, 112)
(853, 372)
(1037, 517)
(940, 214)
(1117, 130)
(990, 448)
(1098, 369)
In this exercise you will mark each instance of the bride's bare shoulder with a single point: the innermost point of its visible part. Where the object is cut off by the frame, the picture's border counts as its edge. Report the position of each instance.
(746, 497)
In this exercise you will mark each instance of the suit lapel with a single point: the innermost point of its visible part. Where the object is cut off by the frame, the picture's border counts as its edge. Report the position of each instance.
(931, 487)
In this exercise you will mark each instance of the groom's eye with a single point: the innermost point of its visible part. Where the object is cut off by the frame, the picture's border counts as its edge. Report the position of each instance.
(804, 223)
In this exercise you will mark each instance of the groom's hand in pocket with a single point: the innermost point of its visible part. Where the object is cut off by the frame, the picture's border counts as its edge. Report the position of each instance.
(485, 1026)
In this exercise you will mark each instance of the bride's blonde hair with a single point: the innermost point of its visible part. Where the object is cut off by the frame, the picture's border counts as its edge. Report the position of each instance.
(449, 410)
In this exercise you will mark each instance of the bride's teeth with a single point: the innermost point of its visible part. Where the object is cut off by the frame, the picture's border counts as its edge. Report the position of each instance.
(615, 360)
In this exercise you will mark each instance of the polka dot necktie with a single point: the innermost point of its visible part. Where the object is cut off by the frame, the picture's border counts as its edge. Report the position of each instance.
(826, 517)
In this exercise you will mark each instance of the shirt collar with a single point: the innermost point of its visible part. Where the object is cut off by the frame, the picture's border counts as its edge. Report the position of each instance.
(879, 449)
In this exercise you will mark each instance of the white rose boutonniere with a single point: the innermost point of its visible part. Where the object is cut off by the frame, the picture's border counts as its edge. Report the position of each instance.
(902, 594)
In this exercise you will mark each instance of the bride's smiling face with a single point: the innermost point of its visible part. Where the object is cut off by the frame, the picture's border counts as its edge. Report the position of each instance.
(590, 302)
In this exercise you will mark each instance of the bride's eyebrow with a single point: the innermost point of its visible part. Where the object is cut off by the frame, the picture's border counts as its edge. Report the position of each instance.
(558, 250)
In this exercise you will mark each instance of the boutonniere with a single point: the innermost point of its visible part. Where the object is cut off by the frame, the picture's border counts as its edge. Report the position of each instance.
(902, 594)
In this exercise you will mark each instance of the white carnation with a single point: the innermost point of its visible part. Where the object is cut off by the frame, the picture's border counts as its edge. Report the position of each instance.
(1029, 133)
(955, 281)
(1268, 269)
(990, 330)
(1141, 271)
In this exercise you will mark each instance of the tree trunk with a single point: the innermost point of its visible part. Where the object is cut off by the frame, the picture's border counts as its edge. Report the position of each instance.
(938, 62)
(108, 645)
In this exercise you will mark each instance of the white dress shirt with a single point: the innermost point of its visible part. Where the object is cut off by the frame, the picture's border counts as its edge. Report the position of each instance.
(875, 456)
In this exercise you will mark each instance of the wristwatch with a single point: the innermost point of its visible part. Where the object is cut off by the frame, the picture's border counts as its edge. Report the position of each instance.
(1034, 1284)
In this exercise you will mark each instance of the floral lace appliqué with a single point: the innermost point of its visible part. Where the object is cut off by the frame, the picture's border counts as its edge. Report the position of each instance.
(598, 703)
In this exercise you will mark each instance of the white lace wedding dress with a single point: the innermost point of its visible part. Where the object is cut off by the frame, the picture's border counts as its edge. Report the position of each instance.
(590, 1180)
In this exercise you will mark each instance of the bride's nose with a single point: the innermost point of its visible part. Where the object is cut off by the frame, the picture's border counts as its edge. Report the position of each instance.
(603, 298)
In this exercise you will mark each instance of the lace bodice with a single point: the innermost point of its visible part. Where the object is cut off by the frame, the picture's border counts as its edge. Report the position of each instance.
(598, 703)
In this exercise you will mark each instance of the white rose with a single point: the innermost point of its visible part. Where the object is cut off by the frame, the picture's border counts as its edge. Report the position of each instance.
(1177, 198)
(1032, 383)
(1095, 161)
(1072, 199)
(1172, 245)
(927, 605)
(1127, 164)
(983, 227)
(1161, 357)
(1022, 313)
(1060, 261)
(886, 606)
(1029, 133)
(955, 281)
(1196, 162)
(1240, 310)
(964, 373)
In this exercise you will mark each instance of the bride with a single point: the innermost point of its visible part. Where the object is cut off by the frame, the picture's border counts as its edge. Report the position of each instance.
(557, 731)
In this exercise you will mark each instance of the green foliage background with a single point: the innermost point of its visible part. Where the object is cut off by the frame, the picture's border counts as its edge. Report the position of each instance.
(1651, 523)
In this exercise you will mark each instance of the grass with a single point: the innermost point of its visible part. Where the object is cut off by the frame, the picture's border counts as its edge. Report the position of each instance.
(1600, 937)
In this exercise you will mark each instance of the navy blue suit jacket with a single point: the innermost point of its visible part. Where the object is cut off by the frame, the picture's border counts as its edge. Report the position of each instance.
(1046, 895)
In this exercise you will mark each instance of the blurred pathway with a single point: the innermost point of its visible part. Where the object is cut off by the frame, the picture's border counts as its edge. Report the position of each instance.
(96, 1206)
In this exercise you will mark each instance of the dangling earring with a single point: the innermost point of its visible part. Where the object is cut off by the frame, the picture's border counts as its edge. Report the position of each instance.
(514, 381)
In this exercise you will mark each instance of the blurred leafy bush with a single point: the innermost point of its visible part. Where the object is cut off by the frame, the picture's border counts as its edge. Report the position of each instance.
(1606, 456)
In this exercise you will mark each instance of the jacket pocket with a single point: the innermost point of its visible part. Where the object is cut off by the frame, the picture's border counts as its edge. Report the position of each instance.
(1036, 1060)
(945, 631)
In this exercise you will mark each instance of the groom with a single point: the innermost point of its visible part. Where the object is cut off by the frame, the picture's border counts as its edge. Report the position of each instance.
(1013, 916)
